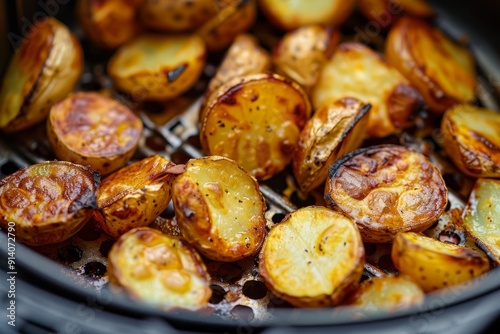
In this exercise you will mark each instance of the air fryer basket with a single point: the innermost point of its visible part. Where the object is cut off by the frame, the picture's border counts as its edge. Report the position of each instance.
(74, 297)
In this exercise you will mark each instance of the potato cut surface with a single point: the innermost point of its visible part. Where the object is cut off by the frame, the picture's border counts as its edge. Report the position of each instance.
(386, 12)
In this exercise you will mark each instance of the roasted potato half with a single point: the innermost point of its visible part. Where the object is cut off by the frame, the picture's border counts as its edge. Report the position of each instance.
(91, 129)
(159, 269)
(135, 195)
(481, 216)
(109, 24)
(301, 53)
(313, 258)
(386, 189)
(219, 209)
(334, 130)
(387, 293)
(48, 202)
(256, 121)
(433, 264)
(442, 70)
(156, 67)
(291, 14)
(386, 12)
(357, 71)
(471, 137)
(46, 68)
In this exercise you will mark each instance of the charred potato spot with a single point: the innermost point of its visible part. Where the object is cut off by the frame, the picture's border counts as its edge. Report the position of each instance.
(359, 72)
(314, 257)
(45, 69)
(219, 209)
(135, 195)
(434, 264)
(386, 189)
(92, 129)
(159, 269)
(481, 216)
(290, 14)
(472, 140)
(156, 67)
(49, 201)
(256, 121)
(333, 130)
(442, 70)
(387, 12)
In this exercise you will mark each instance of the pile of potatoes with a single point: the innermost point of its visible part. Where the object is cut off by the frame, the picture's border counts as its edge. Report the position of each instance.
(309, 104)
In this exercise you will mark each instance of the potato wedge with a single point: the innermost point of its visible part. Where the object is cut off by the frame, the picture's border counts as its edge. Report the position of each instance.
(291, 14)
(135, 195)
(386, 189)
(155, 67)
(481, 216)
(91, 129)
(357, 71)
(219, 209)
(48, 202)
(46, 68)
(256, 121)
(387, 293)
(334, 130)
(442, 70)
(433, 264)
(386, 12)
(301, 53)
(109, 24)
(159, 269)
(313, 258)
(471, 137)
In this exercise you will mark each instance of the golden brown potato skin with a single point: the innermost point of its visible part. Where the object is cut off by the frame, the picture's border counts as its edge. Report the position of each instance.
(256, 121)
(48, 202)
(109, 24)
(158, 269)
(386, 12)
(443, 71)
(333, 130)
(219, 208)
(471, 138)
(386, 189)
(46, 67)
(135, 195)
(92, 129)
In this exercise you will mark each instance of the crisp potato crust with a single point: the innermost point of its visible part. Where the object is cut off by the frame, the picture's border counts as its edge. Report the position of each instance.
(48, 202)
(386, 12)
(159, 269)
(433, 264)
(90, 128)
(313, 258)
(386, 189)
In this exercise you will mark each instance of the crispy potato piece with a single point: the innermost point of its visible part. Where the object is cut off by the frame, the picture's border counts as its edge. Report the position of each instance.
(334, 130)
(481, 216)
(357, 71)
(386, 12)
(159, 269)
(219, 209)
(92, 129)
(109, 24)
(155, 67)
(433, 264)
(301, 53)
(291, 14)
(43, 71)
(441, 69)
(387, 293)
(313, 258)
(135, 195)
(471, 137)
(386, 189)
(48, 202)
(256, 121)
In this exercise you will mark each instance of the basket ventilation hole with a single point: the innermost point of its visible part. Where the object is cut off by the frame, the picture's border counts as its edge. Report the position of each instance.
(254, 289)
